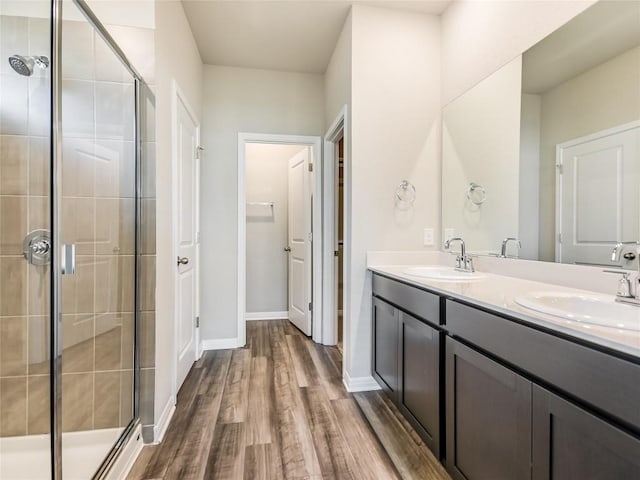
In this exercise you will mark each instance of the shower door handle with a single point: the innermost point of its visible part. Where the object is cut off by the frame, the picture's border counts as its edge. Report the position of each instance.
(68, 257)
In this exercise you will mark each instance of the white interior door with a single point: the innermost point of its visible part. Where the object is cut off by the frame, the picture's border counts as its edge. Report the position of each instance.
(599, 195)
(187, 228)
(300, 241)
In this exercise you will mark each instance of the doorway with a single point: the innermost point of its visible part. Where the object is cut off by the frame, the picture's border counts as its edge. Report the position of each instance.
(336, 235)
(339, 241)
(278, 261)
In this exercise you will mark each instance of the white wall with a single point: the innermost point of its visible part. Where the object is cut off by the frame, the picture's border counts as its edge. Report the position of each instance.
(579, 107)
(266, 170)
(479, 36)
(337, 78)
(481, 144)
(241, 100)
(177, 58)
(395, 136)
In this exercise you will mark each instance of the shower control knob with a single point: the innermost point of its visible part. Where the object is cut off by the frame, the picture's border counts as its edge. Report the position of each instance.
(41, 247)
(36, 247)
(183, 260)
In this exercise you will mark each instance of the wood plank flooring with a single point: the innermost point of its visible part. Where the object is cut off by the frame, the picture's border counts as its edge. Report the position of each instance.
(277, 409)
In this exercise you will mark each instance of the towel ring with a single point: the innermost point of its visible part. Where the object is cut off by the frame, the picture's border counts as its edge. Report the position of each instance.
(476, 194)
(406, 193)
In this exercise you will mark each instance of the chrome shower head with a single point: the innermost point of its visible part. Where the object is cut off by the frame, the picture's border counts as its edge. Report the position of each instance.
(24, 65)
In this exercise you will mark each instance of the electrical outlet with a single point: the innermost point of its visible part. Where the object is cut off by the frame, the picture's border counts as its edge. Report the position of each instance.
(449, 233)
(428, 237)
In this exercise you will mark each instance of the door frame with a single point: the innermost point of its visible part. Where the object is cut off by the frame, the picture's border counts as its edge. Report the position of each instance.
(178, 95)
(559, 165)
(316, 227)
(338, 129)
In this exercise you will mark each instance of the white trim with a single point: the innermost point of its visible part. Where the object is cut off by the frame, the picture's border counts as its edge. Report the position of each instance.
(220, 344)
(128, 456)
(177, 93)
(267, 315)
(165, 419)
(359, 384)
(316, 143)
(560, 161)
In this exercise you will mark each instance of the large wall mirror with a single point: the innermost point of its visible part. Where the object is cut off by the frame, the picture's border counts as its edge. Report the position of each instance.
(547, 149)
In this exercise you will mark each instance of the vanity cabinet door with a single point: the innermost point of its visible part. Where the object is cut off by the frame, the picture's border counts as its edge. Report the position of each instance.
(570, 443)
(488, 417)
(419, 387)
(385, 346)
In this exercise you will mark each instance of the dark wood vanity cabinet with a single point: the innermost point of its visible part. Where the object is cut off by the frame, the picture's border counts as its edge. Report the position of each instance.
(498, 399)
(406, 355)
(501, 423)
(385, 346)
(488, 417)
(569, 442)
(419, 374)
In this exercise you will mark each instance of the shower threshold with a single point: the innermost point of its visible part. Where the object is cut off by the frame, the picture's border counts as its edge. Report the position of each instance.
(29, 457)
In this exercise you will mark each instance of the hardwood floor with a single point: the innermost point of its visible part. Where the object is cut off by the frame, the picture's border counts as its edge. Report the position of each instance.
(277, 409)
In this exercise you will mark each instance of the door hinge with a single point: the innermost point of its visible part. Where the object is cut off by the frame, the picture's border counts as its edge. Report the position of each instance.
(559, 238)
(199, 150)
(198, 322)
(336, 253)
(310, 305)
(197, 237)
(311, 236)
(560, 168)
(311, 167)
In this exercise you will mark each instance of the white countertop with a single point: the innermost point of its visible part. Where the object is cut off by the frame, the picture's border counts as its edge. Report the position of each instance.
(497, 293)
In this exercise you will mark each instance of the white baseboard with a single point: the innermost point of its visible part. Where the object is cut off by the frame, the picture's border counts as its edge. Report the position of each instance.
(359, 384)
(266, 316)
(165, 418)
(219, 344)
(127, 457)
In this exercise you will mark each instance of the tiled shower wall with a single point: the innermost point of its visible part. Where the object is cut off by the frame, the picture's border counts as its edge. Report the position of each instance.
(98, 201)
(24, 206)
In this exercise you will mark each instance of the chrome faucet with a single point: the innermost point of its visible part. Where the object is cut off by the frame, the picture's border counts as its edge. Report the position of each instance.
(628, 289)
(505, 242)
(464, 263)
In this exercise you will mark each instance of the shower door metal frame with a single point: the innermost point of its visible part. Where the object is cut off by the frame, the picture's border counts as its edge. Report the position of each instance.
(56, 221)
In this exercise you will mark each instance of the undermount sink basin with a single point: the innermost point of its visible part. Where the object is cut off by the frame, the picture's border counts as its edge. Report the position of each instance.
(585, 308)
(442, 274)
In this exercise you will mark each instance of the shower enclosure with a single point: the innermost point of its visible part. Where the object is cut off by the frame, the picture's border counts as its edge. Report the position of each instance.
(71, 110)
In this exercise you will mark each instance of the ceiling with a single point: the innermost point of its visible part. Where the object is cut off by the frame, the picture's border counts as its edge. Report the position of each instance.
(293, 35)
(600, 33)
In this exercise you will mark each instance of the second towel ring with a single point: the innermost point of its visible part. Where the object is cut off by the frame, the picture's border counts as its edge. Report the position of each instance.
(476, 193)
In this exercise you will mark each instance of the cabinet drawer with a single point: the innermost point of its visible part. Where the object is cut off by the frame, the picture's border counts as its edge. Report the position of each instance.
(417, 302)
(607, 383)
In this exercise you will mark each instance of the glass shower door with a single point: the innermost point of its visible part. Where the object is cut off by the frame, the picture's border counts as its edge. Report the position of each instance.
(98, 228)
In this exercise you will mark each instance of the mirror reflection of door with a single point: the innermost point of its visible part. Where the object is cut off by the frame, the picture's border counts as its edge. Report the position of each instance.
(599, 188)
